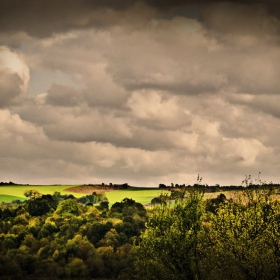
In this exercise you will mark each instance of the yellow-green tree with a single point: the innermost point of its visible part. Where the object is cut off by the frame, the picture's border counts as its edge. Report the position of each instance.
(170, 245)
(244, 238)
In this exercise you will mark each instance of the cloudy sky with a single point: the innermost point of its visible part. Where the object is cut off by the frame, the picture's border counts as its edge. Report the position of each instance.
(130, 91)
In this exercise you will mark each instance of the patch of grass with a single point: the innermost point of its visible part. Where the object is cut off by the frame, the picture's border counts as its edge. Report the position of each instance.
(142, 195)
(10, 198)
(19, 190)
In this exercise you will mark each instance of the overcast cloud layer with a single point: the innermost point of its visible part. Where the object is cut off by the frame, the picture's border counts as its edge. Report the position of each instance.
(139, 92)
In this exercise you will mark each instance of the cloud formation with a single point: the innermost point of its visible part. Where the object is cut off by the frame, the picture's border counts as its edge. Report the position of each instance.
(14, 77)
(158, 91)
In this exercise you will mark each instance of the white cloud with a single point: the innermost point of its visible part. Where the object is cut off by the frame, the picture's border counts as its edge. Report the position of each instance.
(158, 110)
(13, 62)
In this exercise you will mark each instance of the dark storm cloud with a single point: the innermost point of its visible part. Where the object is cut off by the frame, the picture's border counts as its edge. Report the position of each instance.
(42, 18)
(169, 4)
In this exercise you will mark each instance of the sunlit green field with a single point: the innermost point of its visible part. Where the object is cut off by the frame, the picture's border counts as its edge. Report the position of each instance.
(144, 196)
(9, 198)
(18, 191)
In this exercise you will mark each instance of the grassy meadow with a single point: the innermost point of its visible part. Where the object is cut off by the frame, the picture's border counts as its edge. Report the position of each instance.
(11, 192)
(142, 195)
(9, 198)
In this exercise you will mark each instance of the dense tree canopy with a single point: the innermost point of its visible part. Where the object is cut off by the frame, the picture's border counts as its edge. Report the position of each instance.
(214, 239)
(67, 238)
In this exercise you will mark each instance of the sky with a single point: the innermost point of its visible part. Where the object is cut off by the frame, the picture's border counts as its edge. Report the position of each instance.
(139, 92)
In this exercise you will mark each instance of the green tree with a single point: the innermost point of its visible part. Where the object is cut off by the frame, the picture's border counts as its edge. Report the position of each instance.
(76, 268)
(170, 245)
(244, 238)
(111, 238)
(69, 206)
(79, 247)
(32, 194)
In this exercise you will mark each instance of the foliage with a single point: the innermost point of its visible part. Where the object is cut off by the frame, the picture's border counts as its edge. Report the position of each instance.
(216, 239)
(41, 205)
(246, 233)
(191, 238)
(214, 204)
(92, 199)
(169, 246)
(128, 207)
(61, 238)
(69, 206)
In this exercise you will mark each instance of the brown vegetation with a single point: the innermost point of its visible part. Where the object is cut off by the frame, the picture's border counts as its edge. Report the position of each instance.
(89, 189)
